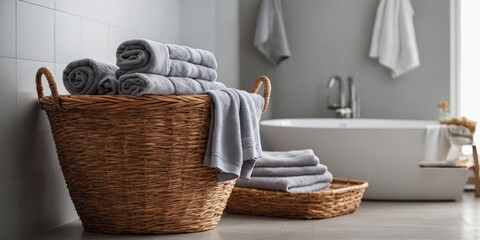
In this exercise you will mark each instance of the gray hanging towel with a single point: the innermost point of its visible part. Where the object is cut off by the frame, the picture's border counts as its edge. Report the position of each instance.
(270, 36)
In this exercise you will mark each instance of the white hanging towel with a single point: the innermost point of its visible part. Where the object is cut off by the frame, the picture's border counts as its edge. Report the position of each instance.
(393, 41)
(437, 143)
(270, 36)
(443, 142)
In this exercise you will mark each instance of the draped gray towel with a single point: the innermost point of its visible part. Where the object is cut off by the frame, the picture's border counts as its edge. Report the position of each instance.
(234, 140)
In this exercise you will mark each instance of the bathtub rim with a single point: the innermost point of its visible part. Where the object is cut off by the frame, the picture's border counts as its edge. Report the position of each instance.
(339, 123)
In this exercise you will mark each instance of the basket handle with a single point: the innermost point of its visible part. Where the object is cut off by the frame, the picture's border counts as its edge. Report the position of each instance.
(51, 83)
(266, 91)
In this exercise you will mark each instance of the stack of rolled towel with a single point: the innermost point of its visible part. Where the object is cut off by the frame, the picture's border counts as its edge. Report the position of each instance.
(148, 67)
(292, 171)
(87, 76)
(145, 67)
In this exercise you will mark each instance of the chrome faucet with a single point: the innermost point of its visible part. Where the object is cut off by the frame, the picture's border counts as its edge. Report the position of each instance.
(343, 110)
(354, 99)
(341, 96)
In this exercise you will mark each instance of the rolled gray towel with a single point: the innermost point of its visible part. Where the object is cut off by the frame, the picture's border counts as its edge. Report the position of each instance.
(83, 76)
(288, 159)
(108, 86)
(139, 84)
(145, 56)
(305, 183)
(288, 171)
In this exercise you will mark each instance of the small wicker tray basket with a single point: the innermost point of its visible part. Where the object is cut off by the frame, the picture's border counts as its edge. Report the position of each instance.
(343, 196)
(134, 165)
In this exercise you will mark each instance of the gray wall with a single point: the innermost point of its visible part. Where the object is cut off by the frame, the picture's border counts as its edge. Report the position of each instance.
(36, 33)
(330, 37)
(227, 41)
(217, 30)
(198, 32)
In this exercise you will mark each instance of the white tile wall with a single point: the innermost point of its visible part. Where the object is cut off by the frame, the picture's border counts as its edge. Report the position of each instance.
(51, 33)
(35, 32)
(95, 40)
(7, 28)
(46, 153)
(10, 206)
(170, 30)
(45, 3)
(29, 117)
(119, 13)
(27, 163)
(54, 204)
(58, 75)
(102, 10)
(8, 95)
(68, 37)
(28, 203)
(70, 6)
(149, 18)
(124, 17)
(9, 159)
(41, 158)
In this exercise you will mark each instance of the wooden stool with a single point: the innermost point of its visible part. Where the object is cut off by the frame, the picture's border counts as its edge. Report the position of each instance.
(475, 180)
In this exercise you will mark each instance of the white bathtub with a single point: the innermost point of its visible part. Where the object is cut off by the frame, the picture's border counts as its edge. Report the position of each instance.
(385, 153)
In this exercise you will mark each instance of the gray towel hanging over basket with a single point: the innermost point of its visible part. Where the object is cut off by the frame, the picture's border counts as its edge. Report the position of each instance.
(133, 165)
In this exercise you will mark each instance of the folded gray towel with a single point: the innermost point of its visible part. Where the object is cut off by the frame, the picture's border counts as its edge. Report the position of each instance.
(139, 84)
(305, 183)
(186, 69)
(234, 143)
(145, 56)
(195, 56)
(83, 76)
(288, 159)
(108, 86)
(288, 171)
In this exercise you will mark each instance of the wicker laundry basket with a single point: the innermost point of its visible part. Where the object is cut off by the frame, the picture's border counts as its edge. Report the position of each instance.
(133, 165)
(343, 196)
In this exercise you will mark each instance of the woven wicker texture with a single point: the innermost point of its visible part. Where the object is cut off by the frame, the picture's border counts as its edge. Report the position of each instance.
(343, 196)
(133, 165)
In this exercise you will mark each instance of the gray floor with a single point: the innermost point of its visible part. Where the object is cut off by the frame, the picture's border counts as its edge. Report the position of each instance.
(374, 220)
